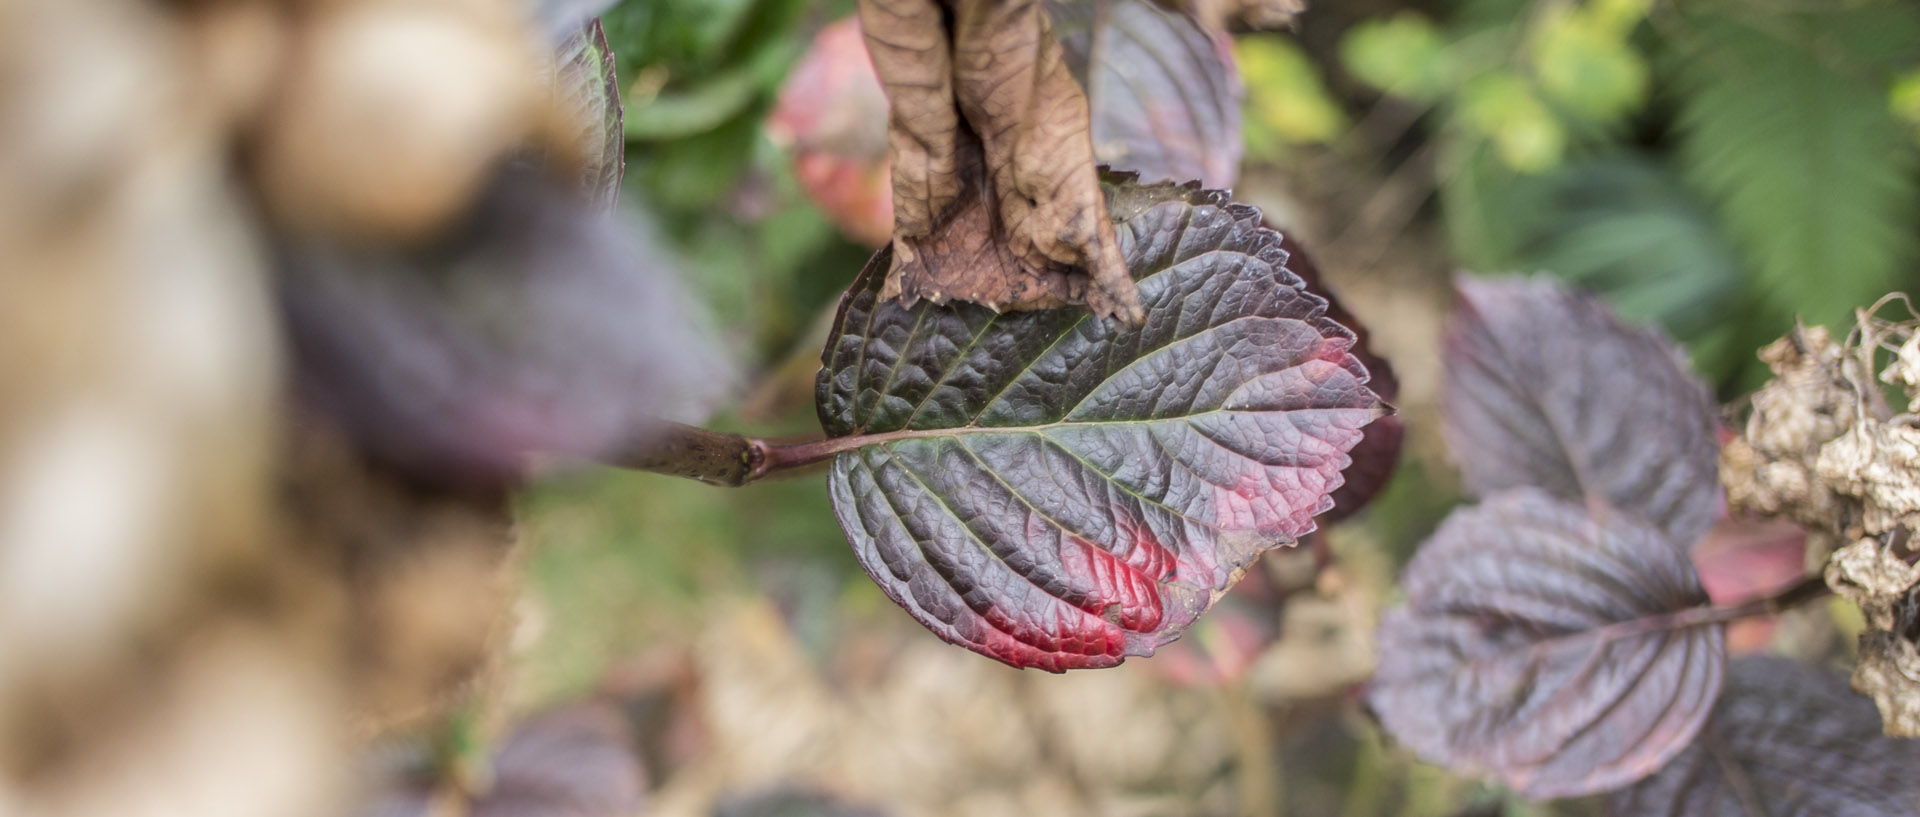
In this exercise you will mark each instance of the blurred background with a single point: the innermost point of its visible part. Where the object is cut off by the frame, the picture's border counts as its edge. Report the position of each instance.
(653, 646)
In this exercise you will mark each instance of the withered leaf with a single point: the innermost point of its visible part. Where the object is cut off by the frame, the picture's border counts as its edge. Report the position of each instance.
(1057, 491)
(1785, 740)
(1887, 590)
(1164, 92)
(1545, 387)
(996, 196)
(1547, 647)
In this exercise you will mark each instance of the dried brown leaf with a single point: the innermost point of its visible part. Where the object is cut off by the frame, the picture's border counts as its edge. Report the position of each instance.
(1874, 577)
(996, 196)
(1879, 463)
(1259, 15)
(1769, 469)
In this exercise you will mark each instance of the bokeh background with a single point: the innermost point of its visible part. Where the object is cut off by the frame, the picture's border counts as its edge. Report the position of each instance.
(288, 289)
(1717, 167)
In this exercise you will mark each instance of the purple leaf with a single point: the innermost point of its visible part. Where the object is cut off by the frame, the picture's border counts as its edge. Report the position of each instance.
(544, 324)
(1786, 740)
(1164, 93)
(576, 761)
(1544, 387)
(579, 761)
(1058, 491)
(1376, 457)
(1547, 648)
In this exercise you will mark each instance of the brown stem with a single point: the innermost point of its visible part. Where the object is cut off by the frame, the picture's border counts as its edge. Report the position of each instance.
(1806, 590)
(726, 459)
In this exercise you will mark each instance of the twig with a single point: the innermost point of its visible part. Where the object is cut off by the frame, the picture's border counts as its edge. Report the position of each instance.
(732, 460)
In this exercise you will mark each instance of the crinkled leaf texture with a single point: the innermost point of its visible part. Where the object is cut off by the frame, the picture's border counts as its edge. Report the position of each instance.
(1057, 491)
(1786, 740)
(1547, 647)
(1164, 93)
(1376, 457)
(1544, 387)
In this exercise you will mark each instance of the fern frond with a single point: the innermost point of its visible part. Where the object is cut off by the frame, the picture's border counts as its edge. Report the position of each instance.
(1785, 129)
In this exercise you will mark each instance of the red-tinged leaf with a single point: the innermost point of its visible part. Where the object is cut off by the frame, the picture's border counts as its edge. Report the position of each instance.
(1744, 559)
(1376, 457)
(585, 84)
(1785, 740)
(1165, 94)
(1546, 647)
(1058, 491)
(1544, 387)
(832, 115)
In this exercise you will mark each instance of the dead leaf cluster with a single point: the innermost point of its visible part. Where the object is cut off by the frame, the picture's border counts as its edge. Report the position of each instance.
(996, 197)
(1823, 447)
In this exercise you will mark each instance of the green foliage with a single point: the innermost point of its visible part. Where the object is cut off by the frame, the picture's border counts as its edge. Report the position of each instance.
(1627, 227)
(1402, 55)
(1501, 107)
(1287, 102)
(1584, 63)
(1774, 178)
(1786, 130)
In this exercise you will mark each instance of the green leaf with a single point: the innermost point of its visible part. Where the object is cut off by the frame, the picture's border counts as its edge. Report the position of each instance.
(1402, 55)
(1587, 68)
(1785, 128)
(1287, 100)
(1500, 106)
(1058, 491)
(697, 110)
(1904, 98)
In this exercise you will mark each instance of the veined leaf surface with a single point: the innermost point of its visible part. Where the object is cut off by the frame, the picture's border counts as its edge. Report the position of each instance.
(1546, 388)
(1787, 740)
(1054, 490)
(1548, 647)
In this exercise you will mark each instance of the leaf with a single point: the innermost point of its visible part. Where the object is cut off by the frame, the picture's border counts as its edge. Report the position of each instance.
(832, 115)
(1785, 740)
(1547, 647)
(996, 199)
(1402, 55)
(1502, 107)
(584, 80)
(1744, 558)
(1378, 454)
(1288, 98)
(545, 324)
(1586, 65)
(1785, 128)
(1544, 387)
(1165, 95)
(577, 761)
(1057, 491)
